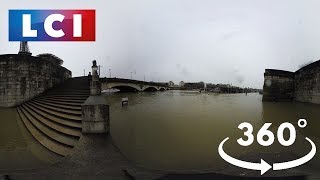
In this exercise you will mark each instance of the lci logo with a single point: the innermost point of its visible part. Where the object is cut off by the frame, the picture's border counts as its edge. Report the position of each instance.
(52, 25)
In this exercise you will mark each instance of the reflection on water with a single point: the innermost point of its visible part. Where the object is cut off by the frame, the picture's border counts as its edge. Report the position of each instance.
(175, 130)
(18, 149)
(182, 130)
(292, 112)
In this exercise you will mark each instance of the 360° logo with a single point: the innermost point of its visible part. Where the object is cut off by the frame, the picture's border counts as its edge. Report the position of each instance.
(264, 166)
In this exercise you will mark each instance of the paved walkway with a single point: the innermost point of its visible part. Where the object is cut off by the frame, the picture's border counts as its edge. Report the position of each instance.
(95, 157)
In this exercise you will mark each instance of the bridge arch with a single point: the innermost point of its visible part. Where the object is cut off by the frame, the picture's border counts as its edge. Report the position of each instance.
(150, 88)
(124, 88)
(162, 89)
(129, 85)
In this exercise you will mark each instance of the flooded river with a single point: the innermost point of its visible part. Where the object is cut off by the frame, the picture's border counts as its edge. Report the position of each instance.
(177, 130)
(18, 149)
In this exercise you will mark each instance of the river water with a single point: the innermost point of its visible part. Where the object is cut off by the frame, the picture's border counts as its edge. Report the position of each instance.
(181, 131)
(178, 130)
(18, 149)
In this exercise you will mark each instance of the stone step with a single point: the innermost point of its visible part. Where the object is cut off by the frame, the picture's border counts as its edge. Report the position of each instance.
(66, 96)
(65, 106)
(74, 86)
(59, 137)
(63, 121)
(65, 89)
(78, 105)
(56, 113)
(50, 144)
(52, 124)
(69, 91)
(61, 110)
(72, 94)
(63, 100)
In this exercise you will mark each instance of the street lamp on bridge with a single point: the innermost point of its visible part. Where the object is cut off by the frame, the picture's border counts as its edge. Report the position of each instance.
(99, 70)
(133, 73)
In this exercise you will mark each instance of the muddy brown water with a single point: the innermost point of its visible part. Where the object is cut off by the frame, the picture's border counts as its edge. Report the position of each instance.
(177, 130)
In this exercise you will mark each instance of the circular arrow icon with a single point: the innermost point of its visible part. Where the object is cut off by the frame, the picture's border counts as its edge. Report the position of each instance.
(297, 162)
(264, 166)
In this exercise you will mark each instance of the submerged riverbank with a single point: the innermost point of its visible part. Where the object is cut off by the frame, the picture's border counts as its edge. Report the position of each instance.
(96, 157)
(18, 149)
(174, 132)
(178, 130)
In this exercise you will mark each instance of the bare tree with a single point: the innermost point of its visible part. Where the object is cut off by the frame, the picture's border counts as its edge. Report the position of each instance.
(51, 57)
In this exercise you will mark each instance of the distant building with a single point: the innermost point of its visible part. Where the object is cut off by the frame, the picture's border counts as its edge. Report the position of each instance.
(216, 90)
(171, 84)
(197, 85)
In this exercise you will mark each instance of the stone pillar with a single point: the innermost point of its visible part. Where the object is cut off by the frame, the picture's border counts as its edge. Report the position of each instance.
(95, 111)
(95, 85)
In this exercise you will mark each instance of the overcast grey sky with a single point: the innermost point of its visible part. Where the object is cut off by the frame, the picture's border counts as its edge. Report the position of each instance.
(227, 41)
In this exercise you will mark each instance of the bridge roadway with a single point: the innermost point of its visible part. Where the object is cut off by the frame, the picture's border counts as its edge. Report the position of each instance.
(130, 85)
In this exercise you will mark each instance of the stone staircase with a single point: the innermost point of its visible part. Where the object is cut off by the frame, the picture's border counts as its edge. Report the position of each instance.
(54, 118)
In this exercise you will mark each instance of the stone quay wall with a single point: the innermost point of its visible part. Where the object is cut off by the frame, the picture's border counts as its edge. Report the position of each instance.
(307, 83)
(24, 77)
(302, 85)
(278, 85)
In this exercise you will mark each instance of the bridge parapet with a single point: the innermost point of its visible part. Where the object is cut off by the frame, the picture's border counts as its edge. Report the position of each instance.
(131, 85)
(133, 81)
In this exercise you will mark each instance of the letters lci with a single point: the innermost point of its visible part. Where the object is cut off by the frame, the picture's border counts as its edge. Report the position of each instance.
(28, 32)
(51, 25)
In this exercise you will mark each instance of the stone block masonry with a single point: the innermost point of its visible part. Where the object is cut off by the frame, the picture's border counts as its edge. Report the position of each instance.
(307, 83)
(24, 77)
(302, 85)
(278, 85)
(95, 111)
(95, 115)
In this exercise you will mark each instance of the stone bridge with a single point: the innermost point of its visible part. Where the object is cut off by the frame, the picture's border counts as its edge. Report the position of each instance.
(129, 85)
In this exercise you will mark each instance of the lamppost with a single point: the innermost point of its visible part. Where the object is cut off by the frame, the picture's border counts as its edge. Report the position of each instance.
(110, 72)
(99, 69)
